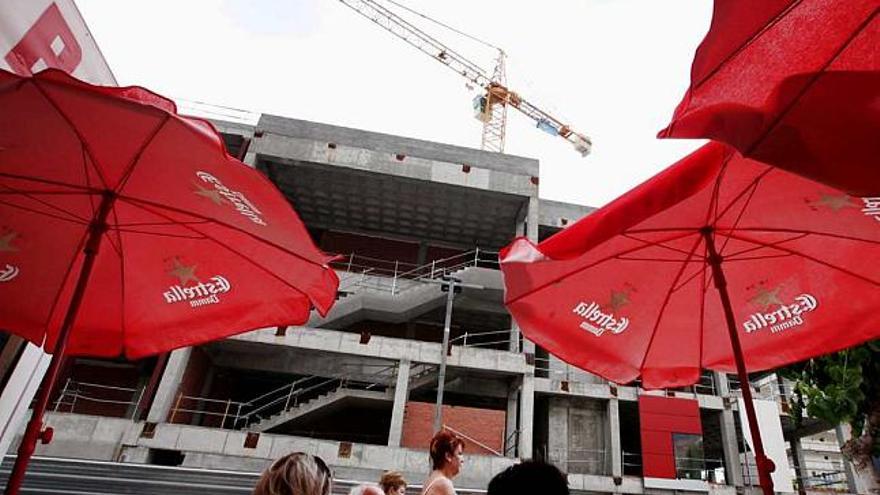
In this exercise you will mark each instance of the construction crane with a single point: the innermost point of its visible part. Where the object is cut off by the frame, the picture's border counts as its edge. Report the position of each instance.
(491, 106)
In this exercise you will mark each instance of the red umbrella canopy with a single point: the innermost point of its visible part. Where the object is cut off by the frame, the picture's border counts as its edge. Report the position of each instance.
(792, 83)
(628, 291)
(194, 245)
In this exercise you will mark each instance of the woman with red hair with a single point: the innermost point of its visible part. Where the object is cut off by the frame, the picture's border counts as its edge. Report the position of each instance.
(446, 458)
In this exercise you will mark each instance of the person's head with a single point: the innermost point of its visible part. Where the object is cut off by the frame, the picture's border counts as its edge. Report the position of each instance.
(393, 483)
(529, 477)
(295, 474)
(446, 451)
(365, 490)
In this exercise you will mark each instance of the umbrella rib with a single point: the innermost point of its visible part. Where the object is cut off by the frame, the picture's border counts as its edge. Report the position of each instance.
(805, 232)
(159, 234)
(703, 287)
(30, 196)
(666, 302)
(655, 243)
(749, 190)
(757, 34)
(85, 145)
(50, 182)
(591, 265)
(732, 256)
(144, 202)
(70, 218)
(805, 256)
(137, 157)
(245, 258)
(809, 84)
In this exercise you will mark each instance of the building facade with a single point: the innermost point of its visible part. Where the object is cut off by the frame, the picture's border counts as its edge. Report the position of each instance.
(358, 387)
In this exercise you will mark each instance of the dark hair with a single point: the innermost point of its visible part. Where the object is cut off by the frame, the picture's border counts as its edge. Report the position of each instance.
(529, 477)
(296, 474)
(444, 443)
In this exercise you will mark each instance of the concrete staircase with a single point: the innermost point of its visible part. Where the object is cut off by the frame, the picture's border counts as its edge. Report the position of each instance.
(323, 403)
(383, 299)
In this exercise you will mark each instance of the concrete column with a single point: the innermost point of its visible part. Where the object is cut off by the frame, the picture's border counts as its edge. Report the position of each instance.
(729, 443)
(422, 256)
(167, 391)
(510, 425)
(401, 394)
(844, 433)
(557, 432)
(613, 447)
(526, 416)
(532, 234)
(532, 220)
(797, 453)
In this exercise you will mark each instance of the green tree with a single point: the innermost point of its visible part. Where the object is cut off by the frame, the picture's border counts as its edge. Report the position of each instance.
(842, 388)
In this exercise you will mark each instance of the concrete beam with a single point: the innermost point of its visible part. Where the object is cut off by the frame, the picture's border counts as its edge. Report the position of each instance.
(385, 348)
(388, 143)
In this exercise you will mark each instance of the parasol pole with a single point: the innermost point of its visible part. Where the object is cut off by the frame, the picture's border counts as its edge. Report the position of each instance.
(764, 464)
(35, 430)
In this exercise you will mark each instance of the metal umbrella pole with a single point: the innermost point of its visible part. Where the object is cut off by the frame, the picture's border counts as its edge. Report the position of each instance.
(764, 464)
(34, 430)
(452, 284)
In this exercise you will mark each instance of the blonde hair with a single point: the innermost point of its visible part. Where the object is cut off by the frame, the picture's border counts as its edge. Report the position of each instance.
(391, 480)
(296, 474)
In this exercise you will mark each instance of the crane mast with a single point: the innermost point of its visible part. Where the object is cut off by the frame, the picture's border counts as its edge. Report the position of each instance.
(492, 106)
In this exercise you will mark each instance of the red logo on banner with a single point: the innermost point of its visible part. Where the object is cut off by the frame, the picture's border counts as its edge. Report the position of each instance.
(50, 40)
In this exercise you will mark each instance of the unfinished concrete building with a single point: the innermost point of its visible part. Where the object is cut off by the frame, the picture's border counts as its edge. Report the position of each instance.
(358, 387)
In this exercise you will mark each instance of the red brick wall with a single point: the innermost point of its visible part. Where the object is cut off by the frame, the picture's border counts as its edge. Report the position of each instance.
(659, 418)
(483, 425)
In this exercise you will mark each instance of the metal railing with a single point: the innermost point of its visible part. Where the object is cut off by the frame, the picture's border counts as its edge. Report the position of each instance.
(228, 413)
(473, 441)
(700, 468)
(767, 390)
(511, 442)
(76, 393)
(826, 479)
(482, 339)
(398, 276)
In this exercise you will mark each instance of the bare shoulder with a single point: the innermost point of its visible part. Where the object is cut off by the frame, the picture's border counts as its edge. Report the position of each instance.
(441, 486)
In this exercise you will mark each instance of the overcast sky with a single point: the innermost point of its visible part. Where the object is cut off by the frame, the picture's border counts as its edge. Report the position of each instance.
(613, 69)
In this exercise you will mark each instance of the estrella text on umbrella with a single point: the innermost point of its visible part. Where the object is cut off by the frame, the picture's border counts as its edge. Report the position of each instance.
(200, 294)
(8, 273)
(872, 208)
(784, 317)
(235, 198)
(190, 289)
(598, 322)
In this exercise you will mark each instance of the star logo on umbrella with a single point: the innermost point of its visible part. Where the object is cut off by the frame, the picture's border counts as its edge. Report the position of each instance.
(619, 298)
(766, 298)
(212, 194)
(183, 273)
(6, 242)
(835, 202)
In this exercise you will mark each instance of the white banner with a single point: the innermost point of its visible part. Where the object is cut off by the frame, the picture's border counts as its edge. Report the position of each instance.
(36, 34)
(771, 436)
